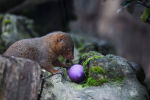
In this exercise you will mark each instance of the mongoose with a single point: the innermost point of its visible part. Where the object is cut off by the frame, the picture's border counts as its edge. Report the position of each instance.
(44, 50)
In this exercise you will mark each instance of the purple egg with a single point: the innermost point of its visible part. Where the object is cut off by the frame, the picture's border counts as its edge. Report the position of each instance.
(76, 73)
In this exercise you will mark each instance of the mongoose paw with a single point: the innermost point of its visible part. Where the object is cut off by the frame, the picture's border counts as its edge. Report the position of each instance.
(57, 72)
(54, 73)
(60, 73)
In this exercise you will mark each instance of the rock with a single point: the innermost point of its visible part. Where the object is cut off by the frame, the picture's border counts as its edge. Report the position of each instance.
(15, 28)
(58, 87)
(19, 79)
(139, 71)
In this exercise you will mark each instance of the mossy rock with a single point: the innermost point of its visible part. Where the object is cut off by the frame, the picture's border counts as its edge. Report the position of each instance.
(97, 76)
(14, 28)
(100, 69)
(89, 54)
(87, 57)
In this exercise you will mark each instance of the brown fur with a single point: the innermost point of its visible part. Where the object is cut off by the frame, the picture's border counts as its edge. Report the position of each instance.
(45, 50)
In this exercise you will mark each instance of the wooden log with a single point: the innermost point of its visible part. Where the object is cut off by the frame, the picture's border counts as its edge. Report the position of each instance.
(19, 79)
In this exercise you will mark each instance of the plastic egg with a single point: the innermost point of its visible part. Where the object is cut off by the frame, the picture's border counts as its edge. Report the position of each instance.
(76, 73)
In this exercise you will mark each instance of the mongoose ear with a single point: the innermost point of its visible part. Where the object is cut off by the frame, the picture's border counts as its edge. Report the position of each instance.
(60, 38)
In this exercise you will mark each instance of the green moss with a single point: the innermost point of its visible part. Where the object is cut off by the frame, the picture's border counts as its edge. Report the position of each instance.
(85, 55)
(84, 85)
(101, 81)
(97, 69)
(90, 81)
(118, 79)
(86, 62)
(78, 87)
(98, 82)
(7, 21)
(95, 81)
(91, 53)
(115, 77)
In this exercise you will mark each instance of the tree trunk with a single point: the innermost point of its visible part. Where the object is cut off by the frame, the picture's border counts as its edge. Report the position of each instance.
(19, 79)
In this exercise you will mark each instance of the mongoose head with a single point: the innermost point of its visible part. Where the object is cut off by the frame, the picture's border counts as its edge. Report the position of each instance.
(64, 45)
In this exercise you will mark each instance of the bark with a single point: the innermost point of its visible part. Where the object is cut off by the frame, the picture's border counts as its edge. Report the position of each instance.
(19, 79)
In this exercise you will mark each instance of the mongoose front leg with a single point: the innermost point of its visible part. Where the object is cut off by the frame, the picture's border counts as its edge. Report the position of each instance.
(49, 67)
(52, 70)
(59, 64)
